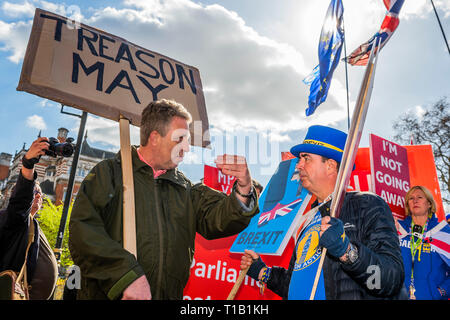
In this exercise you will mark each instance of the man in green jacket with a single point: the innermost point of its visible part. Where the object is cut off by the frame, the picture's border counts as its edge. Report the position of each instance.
(169, 211)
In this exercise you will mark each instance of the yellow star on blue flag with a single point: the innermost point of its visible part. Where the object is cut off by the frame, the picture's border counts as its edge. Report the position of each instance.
(330, 46)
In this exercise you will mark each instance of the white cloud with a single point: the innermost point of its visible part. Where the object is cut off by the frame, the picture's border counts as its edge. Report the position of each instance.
(105, 131)
(45, 103)
(14, 36)
(27, 9)
(420, 8)
(416, 8)
(36, 122)
(443, 6)
(53, 7)
(101, 130)
(18, 10)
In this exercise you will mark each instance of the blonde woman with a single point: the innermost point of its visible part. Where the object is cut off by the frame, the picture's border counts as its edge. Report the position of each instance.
(424, 243)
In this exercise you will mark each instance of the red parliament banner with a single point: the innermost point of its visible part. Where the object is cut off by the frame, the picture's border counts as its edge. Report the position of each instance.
(214, 270)
(390, 173)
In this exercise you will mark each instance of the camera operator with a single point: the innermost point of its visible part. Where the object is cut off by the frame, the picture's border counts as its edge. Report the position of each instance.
(25, 201)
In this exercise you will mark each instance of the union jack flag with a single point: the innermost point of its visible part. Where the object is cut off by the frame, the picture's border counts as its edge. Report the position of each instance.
(278, 210)
(438, 238)
(360, 56)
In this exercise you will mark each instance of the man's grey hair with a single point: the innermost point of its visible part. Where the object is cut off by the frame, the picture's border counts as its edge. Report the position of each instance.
(158, 115)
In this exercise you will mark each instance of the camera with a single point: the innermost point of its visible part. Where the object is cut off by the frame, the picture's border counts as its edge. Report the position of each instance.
(417, 231)
(57, 148)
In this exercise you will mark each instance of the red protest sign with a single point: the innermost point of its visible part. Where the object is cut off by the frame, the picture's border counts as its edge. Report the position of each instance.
(360, 180)
(215, 179)
(390, 173)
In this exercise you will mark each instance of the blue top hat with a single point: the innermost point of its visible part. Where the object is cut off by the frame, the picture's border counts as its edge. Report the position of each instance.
(324, 141)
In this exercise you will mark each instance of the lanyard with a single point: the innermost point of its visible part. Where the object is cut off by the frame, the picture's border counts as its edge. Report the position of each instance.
(416, 244)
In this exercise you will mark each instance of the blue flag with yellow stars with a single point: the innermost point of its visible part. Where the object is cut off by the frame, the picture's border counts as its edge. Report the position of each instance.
(330, 46)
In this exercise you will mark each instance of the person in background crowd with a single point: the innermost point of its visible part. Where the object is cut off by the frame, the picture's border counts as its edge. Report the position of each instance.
(423, 241)
(363, 236)
(24, 203)
(169, 211)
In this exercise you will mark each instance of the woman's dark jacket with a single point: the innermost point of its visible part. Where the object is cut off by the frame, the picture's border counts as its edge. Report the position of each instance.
(14, 229)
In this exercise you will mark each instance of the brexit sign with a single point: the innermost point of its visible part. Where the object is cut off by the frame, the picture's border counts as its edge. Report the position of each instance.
(282, 205)
(279, 210)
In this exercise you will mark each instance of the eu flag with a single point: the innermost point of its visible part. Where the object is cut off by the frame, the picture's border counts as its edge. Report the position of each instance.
(330, 46)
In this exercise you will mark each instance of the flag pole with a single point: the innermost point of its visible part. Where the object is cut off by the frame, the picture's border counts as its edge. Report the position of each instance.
(440, 25)
(346, 77)
(351, 148)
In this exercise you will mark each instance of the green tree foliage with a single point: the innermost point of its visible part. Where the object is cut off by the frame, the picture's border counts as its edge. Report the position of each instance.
(432, 127)
(49, 218)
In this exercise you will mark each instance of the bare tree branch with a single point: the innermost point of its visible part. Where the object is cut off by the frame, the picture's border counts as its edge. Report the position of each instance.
(432, 127)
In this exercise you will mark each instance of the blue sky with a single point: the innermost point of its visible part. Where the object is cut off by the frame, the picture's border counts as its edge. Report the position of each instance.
(252, 56)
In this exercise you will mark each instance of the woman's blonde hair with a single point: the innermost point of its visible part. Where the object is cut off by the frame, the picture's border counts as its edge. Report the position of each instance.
(428, 196)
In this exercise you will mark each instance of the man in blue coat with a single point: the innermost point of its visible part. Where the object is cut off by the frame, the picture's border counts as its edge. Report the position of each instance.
(363, 258)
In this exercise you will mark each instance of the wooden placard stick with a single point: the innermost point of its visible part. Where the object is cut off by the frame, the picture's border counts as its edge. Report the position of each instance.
(129, 217)
(237, 285)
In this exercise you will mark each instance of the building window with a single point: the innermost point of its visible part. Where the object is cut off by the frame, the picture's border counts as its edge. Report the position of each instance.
(74, 194)
(81, 172)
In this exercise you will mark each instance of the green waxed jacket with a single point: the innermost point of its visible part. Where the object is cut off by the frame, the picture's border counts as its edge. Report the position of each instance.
(169, 211)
